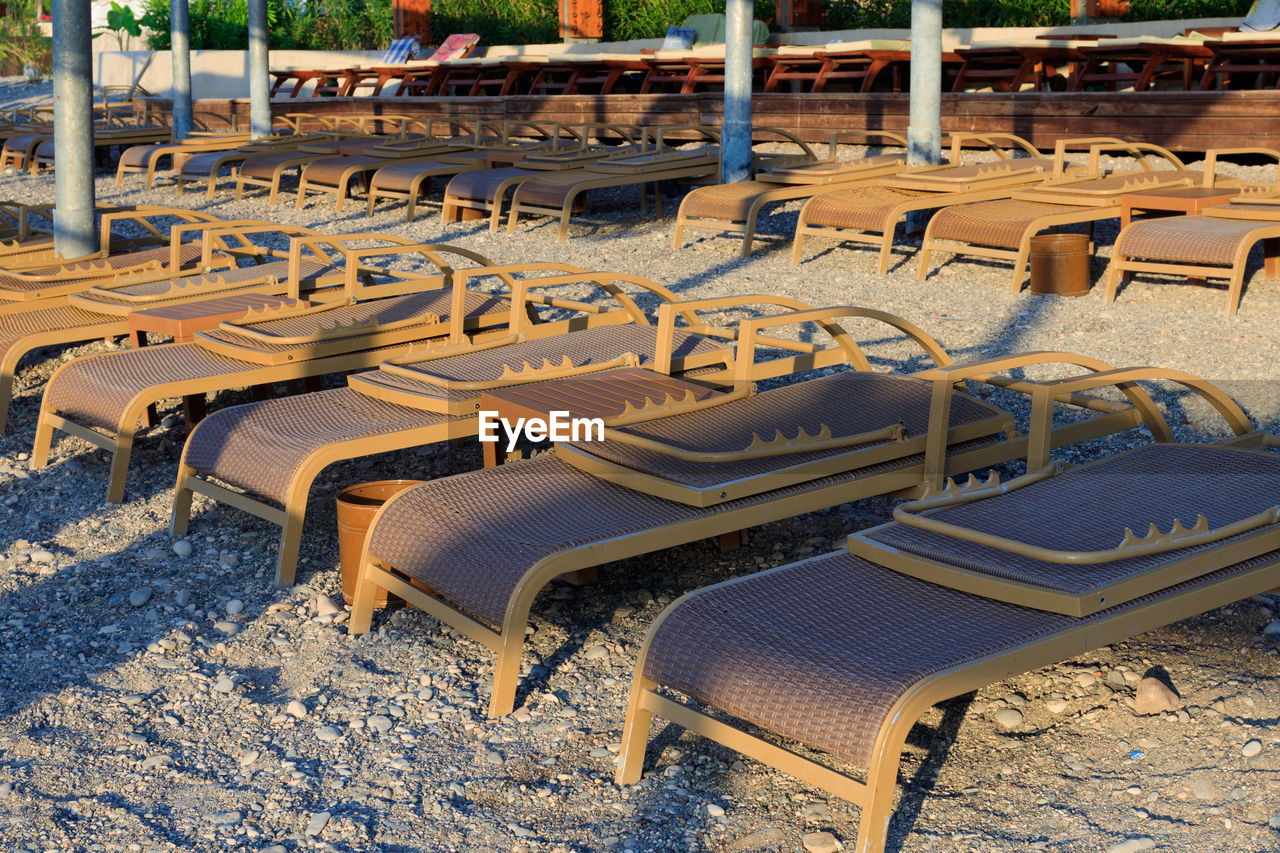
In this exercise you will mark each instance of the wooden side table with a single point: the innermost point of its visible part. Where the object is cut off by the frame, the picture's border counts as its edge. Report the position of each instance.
(1186, 200)
(181, 322)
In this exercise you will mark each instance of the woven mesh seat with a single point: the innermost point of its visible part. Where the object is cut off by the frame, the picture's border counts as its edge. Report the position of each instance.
(725, 201)
(551, 189)
(229, 444)
(857, 207)
(1154, 484)
(137, 156)
(205, 162)
(600, 345)
(264, 166)
(1187, 239)
(13, 327)
(482, 184)
(993, 223)
(97, 268)
(329, 170)
(849, 403)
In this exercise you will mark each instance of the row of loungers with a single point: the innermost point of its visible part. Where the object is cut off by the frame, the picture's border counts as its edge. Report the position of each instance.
(1193, 61)
(822, 652)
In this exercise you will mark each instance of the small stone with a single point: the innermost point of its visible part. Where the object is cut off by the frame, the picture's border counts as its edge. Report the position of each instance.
(815, 811)
(1056, 706)
(821, 842)
(1204, 790)
(1272, 629)
(224, 684)
(234, 607)
(379, 723)
(597, 652)
(42, 556)
(326, 606)
(136, 738)
(6, 789)
(182, 548)
(1132, 845)
(714, 810)
(156, 761)
(1154, 697)
(182, 598)
(227, 627)
(274, 848)
(1086, 680)
(769, 836)
(224, 818)
(318, 822)
(296, 709)
(1274, 823)
(493, 757)
(1008, 718)
(328, 734)
(249, 757)
(1251, 748)
(140, 596)
(132, 699)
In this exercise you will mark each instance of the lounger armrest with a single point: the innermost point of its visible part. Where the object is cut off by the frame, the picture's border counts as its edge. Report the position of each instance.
(745, 372)
(664, 347)
(1138, 150)
(1211, 163)
(839, 135)
(996, 142)
(140, 217)
(711, 134)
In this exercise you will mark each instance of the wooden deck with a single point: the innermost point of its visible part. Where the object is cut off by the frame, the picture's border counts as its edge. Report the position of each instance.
(1182, 121)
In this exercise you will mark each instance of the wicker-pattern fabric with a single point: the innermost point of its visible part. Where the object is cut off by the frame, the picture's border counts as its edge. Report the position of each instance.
(1188, 239)
(600, 345)
(473, 536)
(551, 189)
(232, 277)
(203, 163)
(848, 403)
(400, 176)
(482, 184)
(14, 327)
(1089, 508)
(999, 223)
(98, 268)
(428, 305)
(730, 202)
(821, 651)
(259, 447)
(863, 208)
(264, 165)
(96, 389)
(1119, 182)
(138, 155)
(329, 170)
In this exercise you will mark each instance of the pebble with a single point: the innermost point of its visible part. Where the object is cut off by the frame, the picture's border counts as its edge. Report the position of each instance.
(182, 598)
(1272, 629)
(1086, 680)
(41, 556)
(328, 734)
(714, 810)
(1154, 697)
(1251, 748)
(319, 820)
(379, 723)
(1203, 789)
(228, 627)
(249, 757)
(326, 606)
(492, 756)
(296, 709)
(1132, 845)
(596, 652)
(224, 818)
(234, 607)
(224, 684)
(1056, 706)
(182, 548)
(766, 836)
(821, 842)
(140, 596)
(1008, 718)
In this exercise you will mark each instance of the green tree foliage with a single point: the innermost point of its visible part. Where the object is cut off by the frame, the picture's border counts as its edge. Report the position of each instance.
(315, 25)
(497, 21)
(1173, 10)
(646, 19)
(21, 45)
(896, 14)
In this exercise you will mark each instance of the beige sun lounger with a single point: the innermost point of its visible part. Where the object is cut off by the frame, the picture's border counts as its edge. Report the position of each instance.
(1003, 229)
(843, 653)
(735, 207)
(558, 194)
(485, 543)
(263, 457)
(869, 211)
(102, 398)
(509, 141)
(1215, 244)
(147, 158)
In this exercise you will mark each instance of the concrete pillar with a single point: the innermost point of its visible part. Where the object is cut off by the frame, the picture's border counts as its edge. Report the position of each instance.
(924, 125)
(74, 234)
(259, 79)
(735, 161)
(180, 45)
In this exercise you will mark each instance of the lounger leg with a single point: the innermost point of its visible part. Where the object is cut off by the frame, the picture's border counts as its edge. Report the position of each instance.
(677, 237)
(873, 823)
(44, 439)
(181, 513)
(635, 733)
(886, 250)
(797, 246)
(6, 393)
(1020, 264)
(1115, 278)
(290, 543)
(366, 592)
(120, 465)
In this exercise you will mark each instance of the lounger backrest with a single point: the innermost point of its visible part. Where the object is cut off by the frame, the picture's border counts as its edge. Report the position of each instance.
(454, 47)
(401, 50)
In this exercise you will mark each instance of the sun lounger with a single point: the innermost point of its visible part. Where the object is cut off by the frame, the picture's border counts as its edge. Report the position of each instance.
(735, 207)
(102, 398)
(103, 139)
(146, 158)
(843, 653)
(487, 189)
(869, 211)
(1215, 244)
(559, 193)
(510, 141)
(1003, 229)
(498, 536)
(423, 397)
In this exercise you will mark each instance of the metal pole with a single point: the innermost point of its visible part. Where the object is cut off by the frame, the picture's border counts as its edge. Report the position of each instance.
(180, 50)
(259, 87)
(73, 233)
(924, 125)
(735, 142)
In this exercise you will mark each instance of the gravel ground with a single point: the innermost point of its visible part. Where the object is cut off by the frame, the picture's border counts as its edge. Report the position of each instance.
(165, 696)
